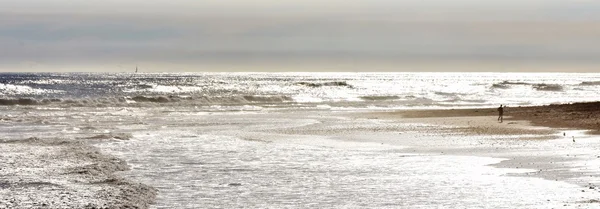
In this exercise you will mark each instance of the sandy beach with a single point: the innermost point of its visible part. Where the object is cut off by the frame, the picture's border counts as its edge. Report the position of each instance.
(571, 125)
(582, 116)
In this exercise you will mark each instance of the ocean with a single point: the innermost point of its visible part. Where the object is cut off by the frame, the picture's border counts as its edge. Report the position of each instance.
(241, 91)
(288, 140)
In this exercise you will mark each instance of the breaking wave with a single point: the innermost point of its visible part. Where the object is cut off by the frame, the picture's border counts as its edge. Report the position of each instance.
(140, 100)
(536, 86)
(10, 89)
(500, 86)
(379, 98)
(419, 101)
(448, 94)
(548, 87)
(23, 101)
(507, 84)
(120, 136)
(589, 83)
(332, 83)
(515, 83)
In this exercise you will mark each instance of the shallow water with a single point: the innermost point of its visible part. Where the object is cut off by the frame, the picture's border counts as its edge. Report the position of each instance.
(237, 160)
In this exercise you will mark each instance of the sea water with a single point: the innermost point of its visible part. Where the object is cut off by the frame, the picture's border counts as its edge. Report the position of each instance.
(259, 140)
(223, 91)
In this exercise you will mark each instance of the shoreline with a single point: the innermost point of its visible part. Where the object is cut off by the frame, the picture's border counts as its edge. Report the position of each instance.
(73, 173)
(580, 116)
(520, 126)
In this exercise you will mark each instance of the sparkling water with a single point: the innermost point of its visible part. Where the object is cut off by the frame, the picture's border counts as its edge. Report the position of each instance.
(264, 140)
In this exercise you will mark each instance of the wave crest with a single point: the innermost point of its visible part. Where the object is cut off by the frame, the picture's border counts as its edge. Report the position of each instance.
(142, 99)
(589, 83)
(332, 83)
(23, 101)
(158, 99)
(379, 98)
(536, 86)
(515, 83)
(500, 86)
(548, 87)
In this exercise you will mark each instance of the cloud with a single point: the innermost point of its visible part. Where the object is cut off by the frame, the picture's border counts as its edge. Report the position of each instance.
(297, 32)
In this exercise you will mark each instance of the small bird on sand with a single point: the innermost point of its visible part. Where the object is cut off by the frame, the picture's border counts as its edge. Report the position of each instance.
(573, 138)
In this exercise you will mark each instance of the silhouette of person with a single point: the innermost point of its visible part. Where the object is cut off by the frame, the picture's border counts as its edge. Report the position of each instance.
(500, 113)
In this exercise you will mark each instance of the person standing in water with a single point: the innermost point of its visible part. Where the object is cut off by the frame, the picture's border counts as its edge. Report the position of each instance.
(500, 113)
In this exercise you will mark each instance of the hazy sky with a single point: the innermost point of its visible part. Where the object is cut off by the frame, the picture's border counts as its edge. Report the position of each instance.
(300, 35)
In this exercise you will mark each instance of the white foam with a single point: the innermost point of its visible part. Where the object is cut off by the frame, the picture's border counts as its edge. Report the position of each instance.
(10, 89)
(285, 174)
(226, 156)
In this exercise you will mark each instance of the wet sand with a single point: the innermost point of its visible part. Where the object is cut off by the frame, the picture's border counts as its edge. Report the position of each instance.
(561, 160)
(583, 116)
(59, 173)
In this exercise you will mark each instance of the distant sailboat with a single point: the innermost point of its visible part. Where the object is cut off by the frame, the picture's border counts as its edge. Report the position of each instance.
(136, 69)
